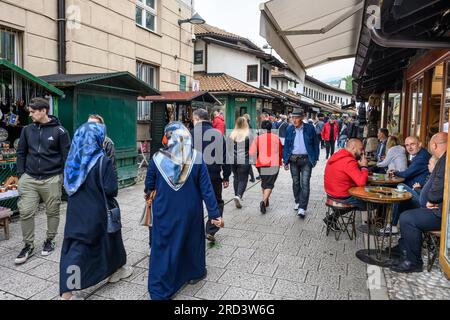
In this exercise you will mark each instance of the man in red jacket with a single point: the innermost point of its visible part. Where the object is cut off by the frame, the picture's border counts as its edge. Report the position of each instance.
(330, 134)
(219, 122)
(346, 169)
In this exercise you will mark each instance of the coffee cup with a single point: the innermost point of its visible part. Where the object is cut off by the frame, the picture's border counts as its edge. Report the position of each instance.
(401, 188)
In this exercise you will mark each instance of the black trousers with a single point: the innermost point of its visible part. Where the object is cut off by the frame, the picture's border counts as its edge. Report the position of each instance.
(329, 145)
(240, 178)
(321, 141)
(252, 176)
(217, 186)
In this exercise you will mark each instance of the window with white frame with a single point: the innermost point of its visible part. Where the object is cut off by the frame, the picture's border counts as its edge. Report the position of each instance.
(148, 74)
(10, 45)
(146, 13)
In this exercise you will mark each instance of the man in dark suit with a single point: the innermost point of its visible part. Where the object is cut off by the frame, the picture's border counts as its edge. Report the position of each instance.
(427, 218)
(204, 135)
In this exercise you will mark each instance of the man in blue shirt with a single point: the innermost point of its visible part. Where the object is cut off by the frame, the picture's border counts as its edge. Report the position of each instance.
(300, 154)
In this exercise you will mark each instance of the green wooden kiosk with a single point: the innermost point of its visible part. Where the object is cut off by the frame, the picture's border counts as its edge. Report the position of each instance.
(114, 97)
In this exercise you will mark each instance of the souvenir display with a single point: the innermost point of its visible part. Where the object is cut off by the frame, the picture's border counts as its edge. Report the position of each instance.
(3, 134)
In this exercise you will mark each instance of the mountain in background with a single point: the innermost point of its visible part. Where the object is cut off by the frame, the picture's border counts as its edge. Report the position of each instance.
(334, 81)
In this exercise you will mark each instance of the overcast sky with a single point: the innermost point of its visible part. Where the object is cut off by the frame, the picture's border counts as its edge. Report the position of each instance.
(242, 17)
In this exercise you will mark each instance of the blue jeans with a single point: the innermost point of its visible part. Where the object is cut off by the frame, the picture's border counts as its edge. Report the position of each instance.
(398, 208)
(412, 224)
(301, 175)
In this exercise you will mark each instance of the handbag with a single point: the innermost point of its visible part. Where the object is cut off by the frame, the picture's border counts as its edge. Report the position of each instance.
(147, 215)
(113, 214)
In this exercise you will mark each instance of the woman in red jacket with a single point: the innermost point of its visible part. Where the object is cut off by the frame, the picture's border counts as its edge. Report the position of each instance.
(330, 134)
(268, 150)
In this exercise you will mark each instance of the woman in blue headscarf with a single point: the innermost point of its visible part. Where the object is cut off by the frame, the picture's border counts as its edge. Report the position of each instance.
(89, 254)
(181, 180)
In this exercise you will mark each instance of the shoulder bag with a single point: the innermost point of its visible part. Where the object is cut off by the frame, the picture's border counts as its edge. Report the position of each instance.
(113, 214)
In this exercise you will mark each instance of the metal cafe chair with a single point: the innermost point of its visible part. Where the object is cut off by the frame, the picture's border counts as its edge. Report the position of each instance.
(343, 216)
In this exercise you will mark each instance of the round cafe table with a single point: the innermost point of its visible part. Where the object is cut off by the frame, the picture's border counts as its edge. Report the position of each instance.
(384, 180)
(378, 198)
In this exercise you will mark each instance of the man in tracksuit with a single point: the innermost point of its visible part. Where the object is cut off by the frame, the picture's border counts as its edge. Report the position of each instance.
(41, 155)
(211, 143)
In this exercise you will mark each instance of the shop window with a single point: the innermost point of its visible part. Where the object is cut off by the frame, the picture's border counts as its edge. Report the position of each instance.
(10, 45)
(393, 113)
(434, 110)
(146, 13)
(148, 74)
(252, 73)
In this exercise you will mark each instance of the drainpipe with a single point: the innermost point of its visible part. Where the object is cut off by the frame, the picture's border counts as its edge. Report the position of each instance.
(407, 42)
(61, 36)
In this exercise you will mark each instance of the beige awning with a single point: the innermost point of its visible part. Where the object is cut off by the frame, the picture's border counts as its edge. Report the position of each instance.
(307, 33)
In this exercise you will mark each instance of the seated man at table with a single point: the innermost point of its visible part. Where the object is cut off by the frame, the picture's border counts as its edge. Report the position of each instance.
(346, 169)
(417, 171)
(414, 222)
(414, 203)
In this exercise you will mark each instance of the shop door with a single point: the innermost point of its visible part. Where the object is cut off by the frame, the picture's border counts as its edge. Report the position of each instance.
(435, 102)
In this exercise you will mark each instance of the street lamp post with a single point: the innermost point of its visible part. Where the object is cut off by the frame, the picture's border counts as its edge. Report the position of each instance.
(195, 19)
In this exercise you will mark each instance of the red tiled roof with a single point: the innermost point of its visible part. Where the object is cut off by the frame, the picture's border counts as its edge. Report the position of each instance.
(206, 29)
(221, 82)
(175, 96)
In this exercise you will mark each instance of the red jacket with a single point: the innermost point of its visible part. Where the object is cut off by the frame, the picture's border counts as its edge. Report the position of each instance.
(327, 130)
(342, 173)
(219, 123)
(269, 149)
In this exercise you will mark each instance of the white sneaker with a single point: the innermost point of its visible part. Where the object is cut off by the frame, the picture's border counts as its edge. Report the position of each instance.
(237, 202)
(297, 205)
(123, 273)
(389, 229)
(73, 297)
(301, 213)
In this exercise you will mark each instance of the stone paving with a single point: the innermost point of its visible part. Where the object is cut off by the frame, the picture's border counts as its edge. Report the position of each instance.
(260, 257)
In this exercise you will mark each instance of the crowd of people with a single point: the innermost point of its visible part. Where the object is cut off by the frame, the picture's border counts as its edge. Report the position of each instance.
(192, 168)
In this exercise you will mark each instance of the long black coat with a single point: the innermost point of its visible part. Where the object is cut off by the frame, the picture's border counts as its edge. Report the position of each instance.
(87, 246)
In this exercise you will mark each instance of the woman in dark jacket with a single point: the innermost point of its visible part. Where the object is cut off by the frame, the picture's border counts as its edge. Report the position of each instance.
(239, 141)
(89, 253)
(252, 175)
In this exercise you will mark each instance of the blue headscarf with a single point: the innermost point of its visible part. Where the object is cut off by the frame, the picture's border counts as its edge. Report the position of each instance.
(176, 159)
(86, 149)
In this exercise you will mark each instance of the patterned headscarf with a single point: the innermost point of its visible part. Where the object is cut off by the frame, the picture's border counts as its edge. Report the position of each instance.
(176, 159)
(86, 149)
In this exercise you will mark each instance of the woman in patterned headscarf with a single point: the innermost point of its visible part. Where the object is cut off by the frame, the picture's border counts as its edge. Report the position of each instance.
(89, 254)
(180, 177)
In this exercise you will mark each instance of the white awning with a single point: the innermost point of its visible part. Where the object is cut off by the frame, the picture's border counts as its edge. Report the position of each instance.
(307, 33)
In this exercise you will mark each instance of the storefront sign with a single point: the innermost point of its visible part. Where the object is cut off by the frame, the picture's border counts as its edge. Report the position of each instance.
(241, 99)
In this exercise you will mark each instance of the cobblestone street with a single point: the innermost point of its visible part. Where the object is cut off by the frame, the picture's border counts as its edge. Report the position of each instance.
(272, 256)
(275, 256)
